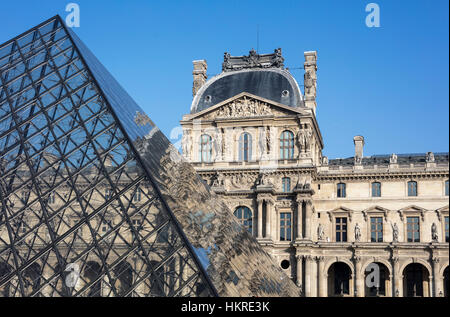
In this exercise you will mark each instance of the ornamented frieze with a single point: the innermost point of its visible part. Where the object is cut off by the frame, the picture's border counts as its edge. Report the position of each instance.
(244, 107)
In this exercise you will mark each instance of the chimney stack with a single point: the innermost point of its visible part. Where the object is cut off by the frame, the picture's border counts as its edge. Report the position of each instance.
(359, 145)
(199, 73)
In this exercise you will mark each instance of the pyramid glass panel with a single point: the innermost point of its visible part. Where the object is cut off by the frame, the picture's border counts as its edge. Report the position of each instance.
(95, 199)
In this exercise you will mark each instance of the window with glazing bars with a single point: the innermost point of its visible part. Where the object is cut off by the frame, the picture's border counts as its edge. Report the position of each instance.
(244, 215)
(285, 226)
(341, 190)
(412, 188)
(341, 229)
(205, 148)
(413, 229)
(376, 229)
(245, 147)
(376, 189)
(286, 181)
(287, 145)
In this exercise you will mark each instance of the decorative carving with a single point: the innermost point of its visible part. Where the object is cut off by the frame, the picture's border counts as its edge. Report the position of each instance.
(186, 144)
(243, 107)
(325, 161)
(393, 159)
(241, 181)
(394, 232)
(304, 137)
(309, 83)
(253, 60)
(219, 180)
(320, 232)
(430, 157)
(219, 138)
(434, 234)
(357, 232)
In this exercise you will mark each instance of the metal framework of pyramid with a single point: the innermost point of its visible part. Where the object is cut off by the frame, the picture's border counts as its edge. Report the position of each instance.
(95, 201)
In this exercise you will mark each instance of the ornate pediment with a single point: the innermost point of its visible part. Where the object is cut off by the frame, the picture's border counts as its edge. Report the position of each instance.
(245, 106)
(239, 108)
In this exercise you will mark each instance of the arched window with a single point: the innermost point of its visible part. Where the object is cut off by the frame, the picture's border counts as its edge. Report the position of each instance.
(286, 181)
(412, 188)
(287, 145)
(245, 147)
(341, 190)
(376, 189)
(205, 148)
(244, 216)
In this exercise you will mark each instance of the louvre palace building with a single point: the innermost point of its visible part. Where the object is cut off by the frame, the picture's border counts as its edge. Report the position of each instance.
(253, 137)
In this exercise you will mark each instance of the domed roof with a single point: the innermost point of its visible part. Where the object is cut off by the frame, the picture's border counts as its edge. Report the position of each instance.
(263, 76)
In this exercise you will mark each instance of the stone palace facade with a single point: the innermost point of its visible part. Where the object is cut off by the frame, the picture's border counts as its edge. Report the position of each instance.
(253, 137)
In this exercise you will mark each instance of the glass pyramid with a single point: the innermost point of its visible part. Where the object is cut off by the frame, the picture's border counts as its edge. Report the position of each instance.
(95, 201)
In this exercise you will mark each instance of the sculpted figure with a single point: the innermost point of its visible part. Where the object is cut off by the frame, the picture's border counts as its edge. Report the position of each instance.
(308, 82)
(393, 159)
(320, 232)
(186, 144)
(434, 234)
(357, 232)
(430, 157)
(395, 233)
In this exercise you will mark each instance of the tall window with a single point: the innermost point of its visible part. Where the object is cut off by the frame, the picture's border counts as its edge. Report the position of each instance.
(137, 195)
(376, 229)
(205, 148)
(244, 216)
(287, 145)
(286, 181)
(376, 189)
(245, 147)
(446, 229)
(412, 229)
(412, 188)
(341, 229)
(446, 188)
(51, 198)
(285, 226)
(341, 190)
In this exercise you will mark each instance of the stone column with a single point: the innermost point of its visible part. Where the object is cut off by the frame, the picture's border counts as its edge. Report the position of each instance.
(308, 216)
(299, 277)
(437, 280)
(299, 234)
(308, 277)
(359, 278)
(322, 277)
(397, 283)
(260, 211)
(268, 216)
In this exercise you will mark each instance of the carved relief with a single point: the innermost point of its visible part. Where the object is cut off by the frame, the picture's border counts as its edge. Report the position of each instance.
(243, 107)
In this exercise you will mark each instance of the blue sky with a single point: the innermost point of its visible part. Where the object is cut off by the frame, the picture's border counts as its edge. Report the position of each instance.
(389, 84)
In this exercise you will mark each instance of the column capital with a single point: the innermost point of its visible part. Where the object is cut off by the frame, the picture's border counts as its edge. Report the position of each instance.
(309, 257)
(320, 258)
(395, 259)
(435, 260)
(356, 258)
(299, 257)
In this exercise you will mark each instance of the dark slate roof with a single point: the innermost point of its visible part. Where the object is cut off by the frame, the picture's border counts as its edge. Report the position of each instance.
(271, 83)
(402, 159)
